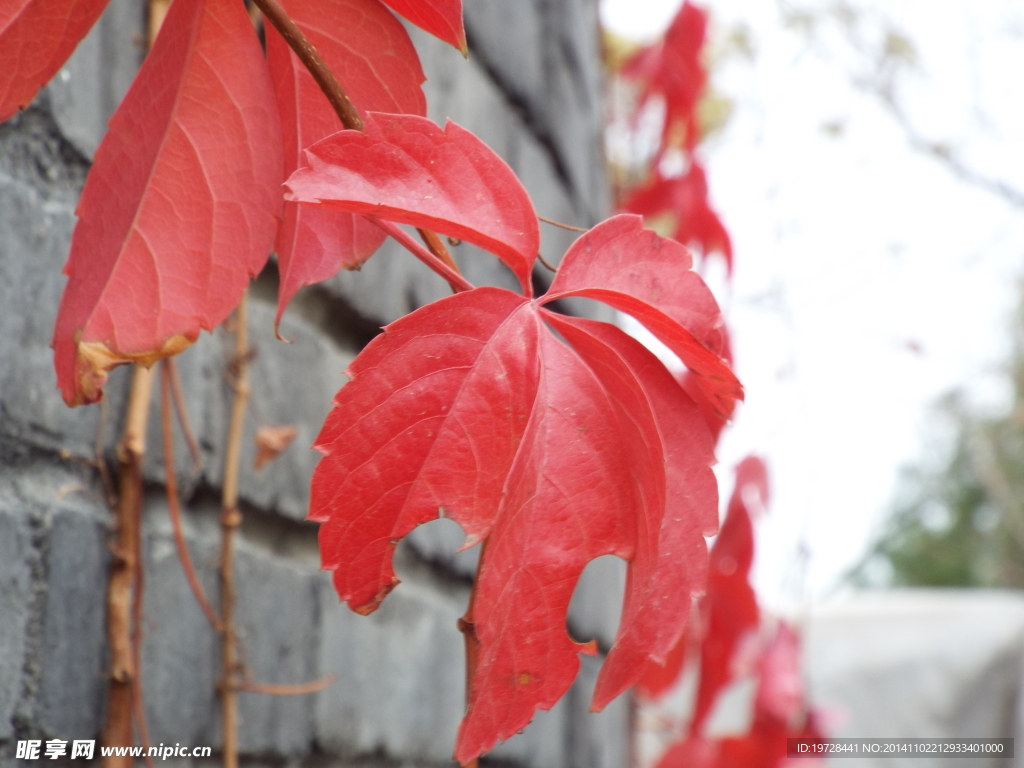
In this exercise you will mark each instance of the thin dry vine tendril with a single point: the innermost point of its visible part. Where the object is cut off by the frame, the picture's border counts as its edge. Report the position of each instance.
(292, 689)
(173, 503)
(336, 95)
(182, 412)
(554, 223)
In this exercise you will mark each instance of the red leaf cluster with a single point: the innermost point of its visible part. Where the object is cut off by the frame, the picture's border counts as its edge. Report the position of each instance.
(553, 450)
(554, 439)
(673, 70)
(183, 204)
(779, 713)
(728, 627)
(684, 199)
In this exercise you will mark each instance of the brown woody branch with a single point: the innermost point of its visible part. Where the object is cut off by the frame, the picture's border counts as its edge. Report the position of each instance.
(313, 61)
(230, 520)
(123, 583)
(467, 627)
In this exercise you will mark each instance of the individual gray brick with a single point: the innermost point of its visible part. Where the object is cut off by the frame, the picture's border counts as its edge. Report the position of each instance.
(278, 609)
(34, 233)
(401, 675)
(181, 651)
(72, 684)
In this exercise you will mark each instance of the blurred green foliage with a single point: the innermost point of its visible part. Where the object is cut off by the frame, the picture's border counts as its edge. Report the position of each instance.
(959, 520)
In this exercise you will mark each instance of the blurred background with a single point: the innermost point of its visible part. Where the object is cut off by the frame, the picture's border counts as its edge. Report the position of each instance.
(867, 160)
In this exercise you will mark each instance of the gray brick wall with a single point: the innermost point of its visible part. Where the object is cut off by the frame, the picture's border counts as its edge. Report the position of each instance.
(532, 91)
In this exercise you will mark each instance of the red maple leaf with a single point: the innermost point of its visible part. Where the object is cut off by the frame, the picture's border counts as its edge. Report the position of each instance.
(180, 207)
(554, 452)
(685, 198)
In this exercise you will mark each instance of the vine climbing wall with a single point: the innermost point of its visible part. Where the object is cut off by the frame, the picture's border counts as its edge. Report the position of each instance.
(532, 91)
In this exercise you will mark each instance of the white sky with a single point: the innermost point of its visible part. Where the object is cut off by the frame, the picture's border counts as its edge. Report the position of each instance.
(869, 280)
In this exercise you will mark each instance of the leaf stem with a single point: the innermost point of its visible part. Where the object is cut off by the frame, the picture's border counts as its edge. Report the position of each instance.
(313, 61)
(455, 279)
(436, 247)
(117, 731)
(230, 520)
(467, 627)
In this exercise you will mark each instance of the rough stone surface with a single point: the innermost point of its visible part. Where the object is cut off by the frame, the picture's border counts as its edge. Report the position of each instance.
(54, 556)
(15, 593)
(290, 384)
(541, 53)
(72, 673)
(400, 689)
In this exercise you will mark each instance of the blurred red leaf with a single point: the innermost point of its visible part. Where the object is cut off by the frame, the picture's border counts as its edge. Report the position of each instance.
(685, 197)
(659, 679)
(371, 53)
(673, 69)
(731, 604)
(180, 207)
(406, 169)
(36, 38)
(780, 692)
